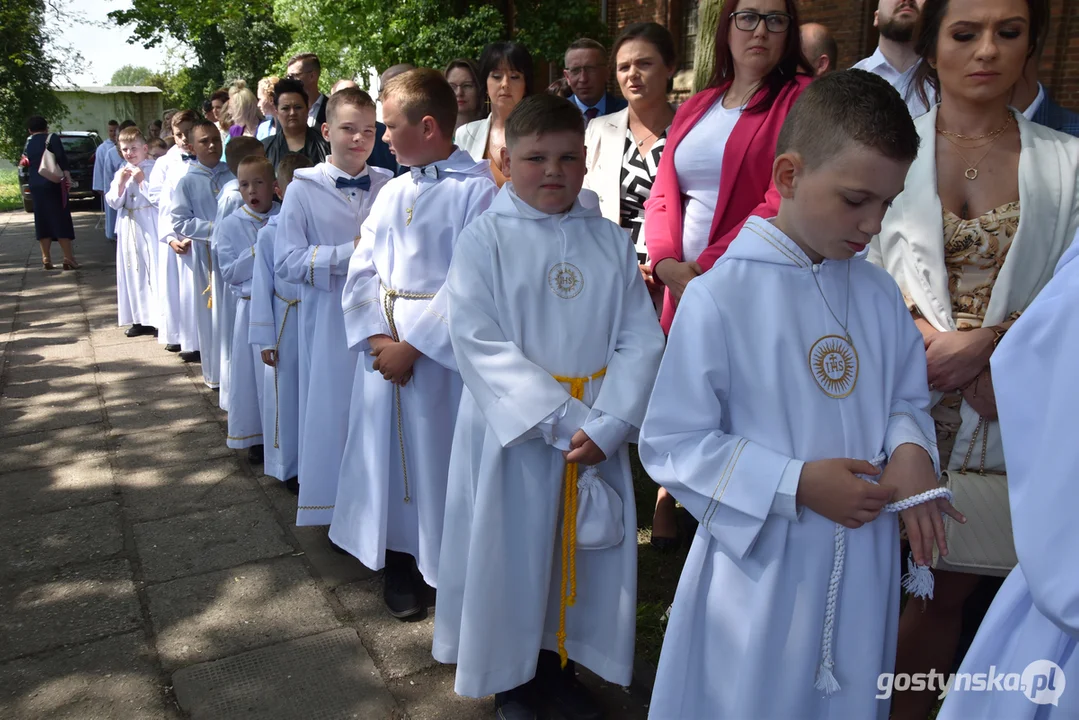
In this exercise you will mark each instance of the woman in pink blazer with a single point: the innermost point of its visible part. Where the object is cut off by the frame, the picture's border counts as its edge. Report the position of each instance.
(717, 166)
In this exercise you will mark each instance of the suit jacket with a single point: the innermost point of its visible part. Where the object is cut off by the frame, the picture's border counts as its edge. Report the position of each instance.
(1060, 119)
(745, 186)
(320, 116)
(605, 140)
(472, 137)
(315, 147)
(910, 245)
(614, 104)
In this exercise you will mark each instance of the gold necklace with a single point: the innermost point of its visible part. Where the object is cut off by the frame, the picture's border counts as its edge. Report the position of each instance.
(972, 168)
(993, 134)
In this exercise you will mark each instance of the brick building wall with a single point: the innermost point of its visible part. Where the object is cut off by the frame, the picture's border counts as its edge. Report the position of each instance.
(851, 22)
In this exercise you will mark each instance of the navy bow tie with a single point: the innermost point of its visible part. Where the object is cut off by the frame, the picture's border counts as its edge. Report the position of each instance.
(185, 157)
(363, 183)
(426, 171)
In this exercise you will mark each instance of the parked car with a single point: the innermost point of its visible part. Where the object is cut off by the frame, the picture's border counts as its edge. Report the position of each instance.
(80, 147)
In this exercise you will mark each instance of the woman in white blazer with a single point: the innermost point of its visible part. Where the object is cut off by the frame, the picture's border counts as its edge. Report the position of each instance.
(989, 206)
(624, 149)
(506, 72)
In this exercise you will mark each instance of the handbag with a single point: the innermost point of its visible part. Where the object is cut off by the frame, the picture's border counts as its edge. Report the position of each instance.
(49, 168)
(984, 545)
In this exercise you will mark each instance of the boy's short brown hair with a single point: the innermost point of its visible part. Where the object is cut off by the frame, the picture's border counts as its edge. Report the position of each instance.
(241, 148)
(183, 117)
(541, 114)
(158, 144)
(130, 135)
(353, 97)
(257, 162)
(288, 165)
(424, 92)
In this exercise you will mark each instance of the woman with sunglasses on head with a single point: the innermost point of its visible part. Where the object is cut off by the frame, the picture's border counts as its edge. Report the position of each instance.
(716, 166)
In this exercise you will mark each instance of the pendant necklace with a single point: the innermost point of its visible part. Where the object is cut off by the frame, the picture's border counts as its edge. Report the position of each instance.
(972, 168)
(833, 359)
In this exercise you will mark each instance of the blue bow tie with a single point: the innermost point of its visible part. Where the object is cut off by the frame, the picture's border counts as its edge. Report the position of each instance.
(185, 157)
(426, 171)
(363, 183)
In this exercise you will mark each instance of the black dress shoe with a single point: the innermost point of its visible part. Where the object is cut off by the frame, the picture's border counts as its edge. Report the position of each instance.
(517, 704)
(172, 348)
(134, 331)
(255, 454)
(399, 590)
(191, 357)
(563, 691)
(293, 485)
(338, 549)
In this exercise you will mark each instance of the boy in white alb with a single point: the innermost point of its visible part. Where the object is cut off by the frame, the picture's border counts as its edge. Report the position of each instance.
(136, 236)
(194, 206)
(224, 302)
(235, 243)
(557, 342)
(1033, 624)
(319, 226)
(275, 309)
(790, 351)
(107, 161)
(391, 497)
(166, 173)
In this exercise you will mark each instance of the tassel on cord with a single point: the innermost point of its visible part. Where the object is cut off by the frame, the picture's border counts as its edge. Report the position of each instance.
(919, 580)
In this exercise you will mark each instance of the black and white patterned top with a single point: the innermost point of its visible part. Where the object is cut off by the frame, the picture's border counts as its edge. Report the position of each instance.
(638, 174)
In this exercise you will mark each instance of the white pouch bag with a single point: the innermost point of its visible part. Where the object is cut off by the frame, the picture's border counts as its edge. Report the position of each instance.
(600, 523)
(50, 168)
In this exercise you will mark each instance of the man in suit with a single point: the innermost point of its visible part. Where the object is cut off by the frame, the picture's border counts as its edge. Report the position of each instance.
(306, 68)
(1040, 108)
(587, 73)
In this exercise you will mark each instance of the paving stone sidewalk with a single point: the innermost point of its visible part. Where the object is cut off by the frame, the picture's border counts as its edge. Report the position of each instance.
(146, 570)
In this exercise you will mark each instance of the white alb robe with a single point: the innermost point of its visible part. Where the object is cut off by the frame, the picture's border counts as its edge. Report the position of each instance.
(107, 160)
(275, 309)
(235, 246)
(316, 236)
(533, 296)
(224, 303)
(372, 514)
(136, 242)
(167, 172)
(1035, 615)
(737, 409)
(194, 207)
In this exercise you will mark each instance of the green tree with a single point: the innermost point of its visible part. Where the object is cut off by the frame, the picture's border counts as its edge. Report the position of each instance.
(26, 73)
(132, 75)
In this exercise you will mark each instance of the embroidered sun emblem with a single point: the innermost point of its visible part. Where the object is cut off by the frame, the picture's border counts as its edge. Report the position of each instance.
(834, 364)
(566, 280)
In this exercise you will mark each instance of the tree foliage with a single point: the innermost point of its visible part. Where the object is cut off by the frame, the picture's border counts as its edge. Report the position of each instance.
(132, 75)
(26, 72)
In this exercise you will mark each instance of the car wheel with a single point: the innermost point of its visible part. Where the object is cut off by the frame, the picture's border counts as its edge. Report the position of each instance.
(27, 204)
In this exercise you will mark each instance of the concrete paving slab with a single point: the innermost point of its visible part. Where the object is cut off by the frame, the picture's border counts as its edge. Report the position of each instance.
(142, 351)
(110, 678)
(112, 334)
(54, 447)
(172, 413)
(208, 540)
(71, 389)
(144, 451)
(32, 542)
(182, 489)
(328, 675)
(283, 501)
(333, 568)
(147, 388)
(429, 696)
(218, 614)
(32, 492)
(72, 605)
(60, 371)
(40, 416)
(399, 648)
(126, 370)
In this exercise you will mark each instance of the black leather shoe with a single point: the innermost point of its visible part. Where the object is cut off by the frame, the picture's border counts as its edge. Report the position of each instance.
(191, 357)
(172, 348)
(517, 704)
(563, 691)
(399, 589)
(293, 485)
(255, 454)
(134, 331)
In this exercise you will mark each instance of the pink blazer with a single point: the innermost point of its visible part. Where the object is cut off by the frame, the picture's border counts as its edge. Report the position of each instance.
(745, 184)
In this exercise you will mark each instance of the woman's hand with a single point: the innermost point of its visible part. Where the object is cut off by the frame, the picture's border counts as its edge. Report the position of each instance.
(955, 358)
(676, 275)
(980, 396)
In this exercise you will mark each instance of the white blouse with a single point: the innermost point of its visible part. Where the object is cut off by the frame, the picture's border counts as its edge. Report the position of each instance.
(698, 161)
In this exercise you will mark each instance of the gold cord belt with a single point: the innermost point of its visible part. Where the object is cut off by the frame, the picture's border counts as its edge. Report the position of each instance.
(289, 304)
(388, 301)
(568, 595)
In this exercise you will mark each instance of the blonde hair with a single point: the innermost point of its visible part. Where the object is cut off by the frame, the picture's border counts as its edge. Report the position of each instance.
(266, 86)
(243, 109)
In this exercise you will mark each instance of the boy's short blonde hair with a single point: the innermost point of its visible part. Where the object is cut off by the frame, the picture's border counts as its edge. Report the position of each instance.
(258, 163)
(130, 135)
(241, 148)
(353, 97)
(424, 92)
(288, 165)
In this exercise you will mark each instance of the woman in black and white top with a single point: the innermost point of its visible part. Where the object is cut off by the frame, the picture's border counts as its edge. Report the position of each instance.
(624, 147)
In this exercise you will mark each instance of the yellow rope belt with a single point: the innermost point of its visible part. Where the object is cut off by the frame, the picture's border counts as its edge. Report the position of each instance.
(388, 301)
(568, 595)
(210, 285)
(289, 304)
